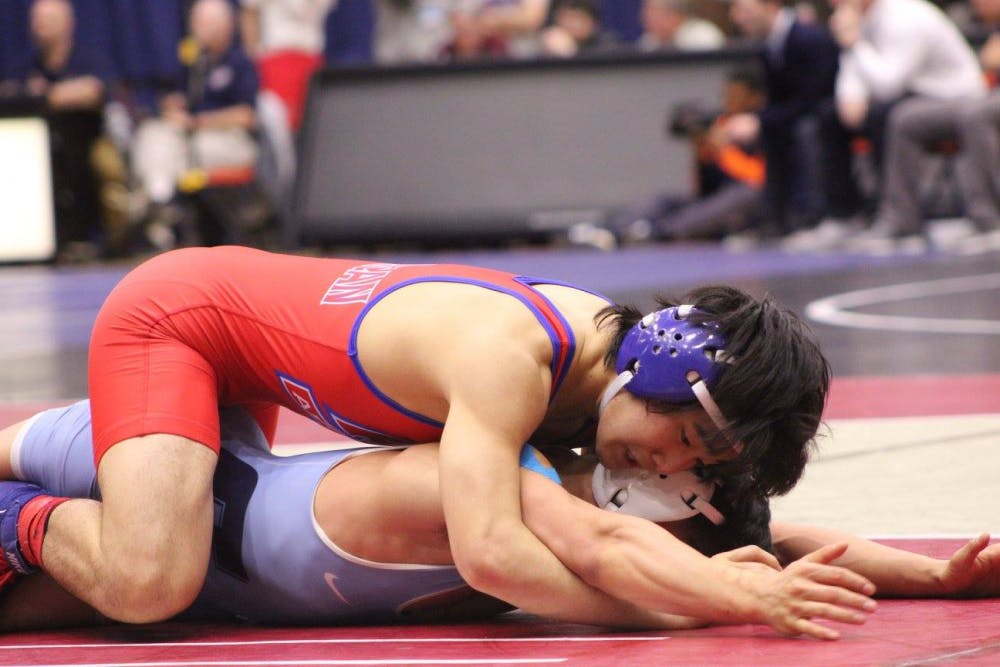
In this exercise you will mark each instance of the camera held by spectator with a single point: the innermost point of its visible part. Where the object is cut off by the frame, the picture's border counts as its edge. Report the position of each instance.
(690, 120)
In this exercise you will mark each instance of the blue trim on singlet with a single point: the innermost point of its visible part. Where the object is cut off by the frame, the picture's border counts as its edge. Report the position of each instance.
(533, 460)
(531, 281)
(352, 347)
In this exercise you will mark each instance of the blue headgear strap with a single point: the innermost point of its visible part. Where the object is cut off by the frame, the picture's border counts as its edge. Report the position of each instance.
(666, 357)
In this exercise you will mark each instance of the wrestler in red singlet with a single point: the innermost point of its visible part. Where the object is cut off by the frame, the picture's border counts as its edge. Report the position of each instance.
(195, 328)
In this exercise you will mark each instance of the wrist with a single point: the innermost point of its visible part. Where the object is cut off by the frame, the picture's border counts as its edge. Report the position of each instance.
(936, 574)
(745, 597)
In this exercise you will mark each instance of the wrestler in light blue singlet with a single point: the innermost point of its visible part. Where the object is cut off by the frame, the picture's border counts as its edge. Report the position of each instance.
(270, 562)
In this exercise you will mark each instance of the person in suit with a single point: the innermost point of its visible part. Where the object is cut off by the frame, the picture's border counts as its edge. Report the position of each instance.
(800, 67)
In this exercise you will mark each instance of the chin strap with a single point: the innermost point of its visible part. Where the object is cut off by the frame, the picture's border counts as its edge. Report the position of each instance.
(698, 386)
(613, 388)
(708, 403)
(696, 502)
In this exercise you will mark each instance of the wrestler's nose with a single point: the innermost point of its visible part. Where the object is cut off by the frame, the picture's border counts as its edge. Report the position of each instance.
(666, 463)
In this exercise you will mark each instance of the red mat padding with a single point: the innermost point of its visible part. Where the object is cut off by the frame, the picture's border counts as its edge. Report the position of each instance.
(901, 632)
(913, 395)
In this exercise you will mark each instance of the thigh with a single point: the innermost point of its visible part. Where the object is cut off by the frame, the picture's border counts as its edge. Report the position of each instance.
(143, 377)
(157, 505)
(223, 148)
(925, 120)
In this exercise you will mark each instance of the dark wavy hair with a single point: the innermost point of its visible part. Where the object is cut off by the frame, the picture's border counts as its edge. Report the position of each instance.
(748, 521)
(772, 393)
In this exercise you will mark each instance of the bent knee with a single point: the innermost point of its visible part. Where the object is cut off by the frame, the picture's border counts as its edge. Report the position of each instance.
(151, 592)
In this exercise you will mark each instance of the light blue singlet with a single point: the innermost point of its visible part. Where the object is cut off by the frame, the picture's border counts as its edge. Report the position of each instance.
(271, 563)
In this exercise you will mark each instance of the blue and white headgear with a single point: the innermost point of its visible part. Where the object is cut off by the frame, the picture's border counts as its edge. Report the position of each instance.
(666, 357)
(653, 496)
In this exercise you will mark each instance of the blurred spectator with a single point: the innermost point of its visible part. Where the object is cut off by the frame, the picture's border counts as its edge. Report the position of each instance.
(906, 71)
(979, 131)
(517, 22)
(670, 24)
(412, 30)
(286, 39)
(70, 83)
(807, 12)
(576, 28)
(729, 178)
(206, 124)
(800, 67)
(468, 41)
(977, 19)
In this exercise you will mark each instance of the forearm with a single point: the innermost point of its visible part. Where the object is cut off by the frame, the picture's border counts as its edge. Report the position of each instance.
(644, 564)
(893, 571)
(86, 92)
(241, 116)
(581, 603)
(634, 559)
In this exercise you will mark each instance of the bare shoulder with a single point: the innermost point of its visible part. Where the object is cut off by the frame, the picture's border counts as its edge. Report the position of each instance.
(577, 306)
(424, 341)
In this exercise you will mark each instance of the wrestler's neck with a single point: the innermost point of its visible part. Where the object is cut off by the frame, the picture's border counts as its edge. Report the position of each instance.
(571, 419)
(577, 475)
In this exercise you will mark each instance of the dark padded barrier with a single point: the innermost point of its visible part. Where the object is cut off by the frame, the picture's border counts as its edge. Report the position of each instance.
(493, 150)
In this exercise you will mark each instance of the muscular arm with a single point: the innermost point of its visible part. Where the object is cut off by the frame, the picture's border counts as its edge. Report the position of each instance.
(487, 423)
(973, 571)
(642, 563)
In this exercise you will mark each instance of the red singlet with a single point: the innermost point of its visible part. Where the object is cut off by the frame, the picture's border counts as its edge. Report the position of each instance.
(195, 328)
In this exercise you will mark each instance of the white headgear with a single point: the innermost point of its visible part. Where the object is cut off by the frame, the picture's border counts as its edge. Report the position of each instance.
(652, 496)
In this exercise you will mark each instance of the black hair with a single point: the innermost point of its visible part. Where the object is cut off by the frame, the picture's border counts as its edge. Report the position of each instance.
(748, 521)
(586, 6)
(772, 392)
(749, 76)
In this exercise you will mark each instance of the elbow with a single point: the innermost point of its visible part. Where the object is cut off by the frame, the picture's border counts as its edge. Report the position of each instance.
(485, 564)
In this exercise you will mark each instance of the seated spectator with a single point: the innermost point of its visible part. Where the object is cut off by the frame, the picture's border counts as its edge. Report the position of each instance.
(71, 83)
(670, 24)
(411, 30)
(979, 139)
(286, 39)
(468, 41)
(516, 22)
(730, 177)
(205, 124)
(977, 19)
(906, 72)
(576, 28)
(800, 67)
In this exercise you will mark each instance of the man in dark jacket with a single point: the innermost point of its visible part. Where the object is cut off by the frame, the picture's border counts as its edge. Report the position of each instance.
(800, 65)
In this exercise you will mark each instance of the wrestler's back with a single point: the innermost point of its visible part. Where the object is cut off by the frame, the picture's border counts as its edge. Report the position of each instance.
(281, 329)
